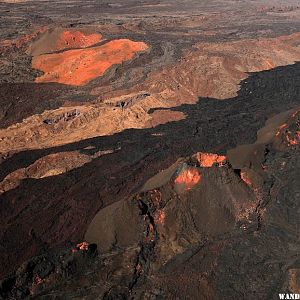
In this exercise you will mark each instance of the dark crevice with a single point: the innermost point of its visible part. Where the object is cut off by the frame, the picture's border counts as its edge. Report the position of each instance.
(147, 245)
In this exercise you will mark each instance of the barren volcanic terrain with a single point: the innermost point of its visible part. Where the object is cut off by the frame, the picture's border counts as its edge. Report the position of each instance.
(149, 149)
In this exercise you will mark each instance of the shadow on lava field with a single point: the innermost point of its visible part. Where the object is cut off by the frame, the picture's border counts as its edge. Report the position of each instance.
(59, 208)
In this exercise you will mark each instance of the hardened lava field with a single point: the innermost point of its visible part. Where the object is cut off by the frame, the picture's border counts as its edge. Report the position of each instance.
(149, 149)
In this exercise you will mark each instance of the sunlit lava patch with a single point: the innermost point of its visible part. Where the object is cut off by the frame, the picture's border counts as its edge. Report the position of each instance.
(293, 141)
(160, 217)
(84, 246)
(290, 132)
(78, 67)
(77, 39)
(206, 160)
(245, 178)
(189, 177)
(281, 127)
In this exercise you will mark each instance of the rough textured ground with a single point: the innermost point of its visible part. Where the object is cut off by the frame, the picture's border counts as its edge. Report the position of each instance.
(78, 67)
(157, 157)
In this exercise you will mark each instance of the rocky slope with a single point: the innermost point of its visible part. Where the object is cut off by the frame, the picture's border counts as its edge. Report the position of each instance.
(207, 221)
(149, 150)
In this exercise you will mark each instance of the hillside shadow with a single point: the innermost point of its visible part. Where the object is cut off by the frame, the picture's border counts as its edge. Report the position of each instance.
(210, 125)
(60, 208)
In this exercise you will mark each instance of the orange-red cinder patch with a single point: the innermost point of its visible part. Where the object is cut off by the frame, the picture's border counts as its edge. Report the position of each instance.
(189, 177)
(77, 39)
(78, 67)
(206, 160)
(160, 217)
(280, 128)
(245, 178)
(84, 246)
(294, 141)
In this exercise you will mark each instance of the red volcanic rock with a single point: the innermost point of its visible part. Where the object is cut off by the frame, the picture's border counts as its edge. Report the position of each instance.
(78, 67)
(189, 177)
(59, 39)
(77, 39)
(206, 160)
(160, 217)
(289, 132)
(245, 178)
(293, 140)
(84, 246)
(280, 128)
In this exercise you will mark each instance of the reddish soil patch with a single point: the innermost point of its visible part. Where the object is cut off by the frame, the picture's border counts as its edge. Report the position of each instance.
(78, 67)
(206, 160)
(59, 39)
(245, 178)
(290, 134)
(189, 177)
(77, 39)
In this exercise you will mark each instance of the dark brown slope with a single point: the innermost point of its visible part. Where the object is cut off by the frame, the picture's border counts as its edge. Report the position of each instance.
(48, 212)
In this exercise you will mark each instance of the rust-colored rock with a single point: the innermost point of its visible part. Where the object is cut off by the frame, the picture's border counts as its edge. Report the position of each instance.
(289, 132)
(245, 178)
(77, 39)
(189, 177)
(207, 160)
(78, 67)
(160, 217)
(59, 39)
